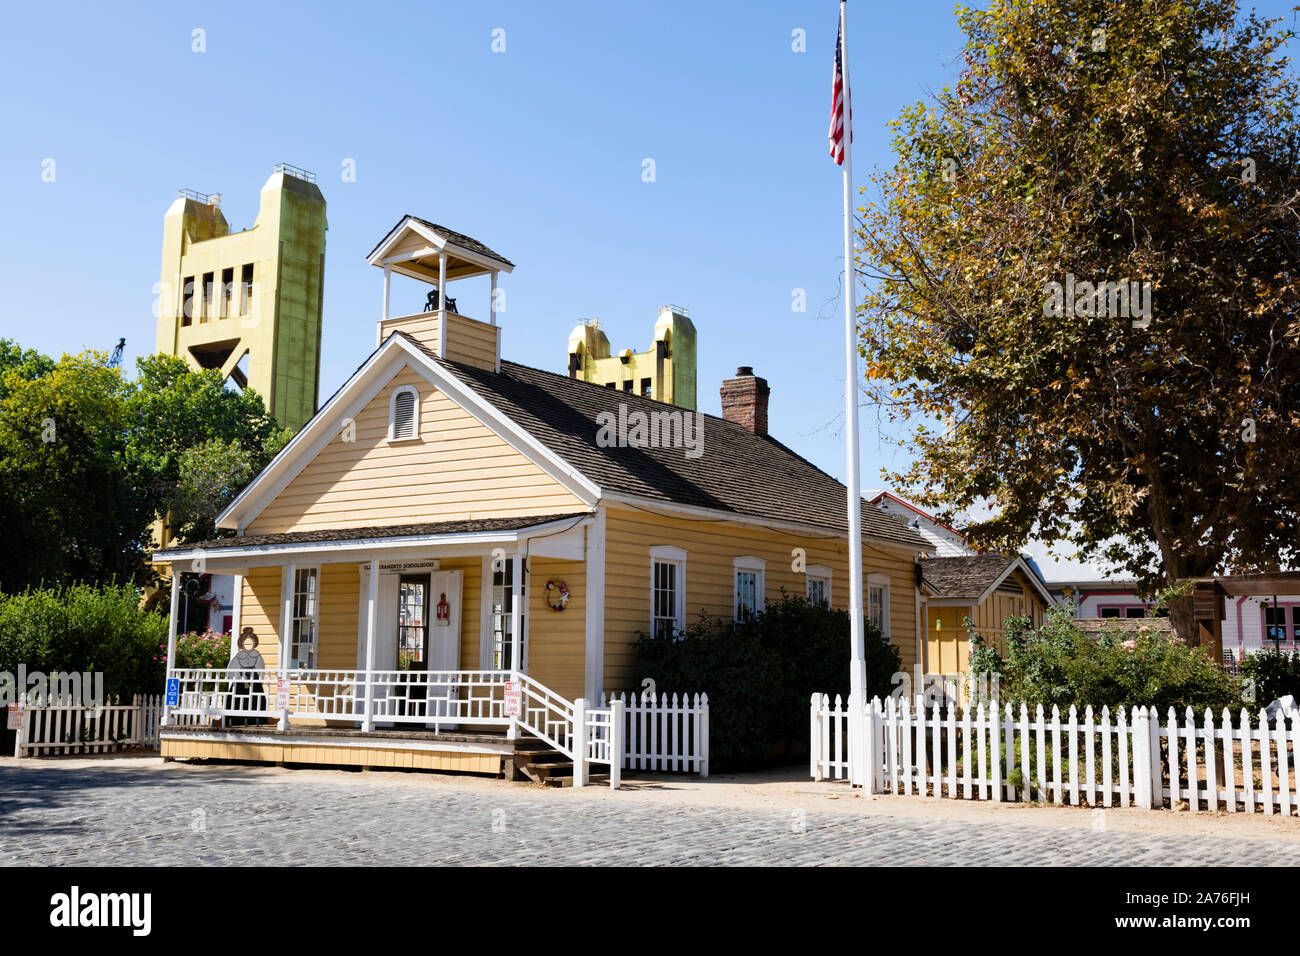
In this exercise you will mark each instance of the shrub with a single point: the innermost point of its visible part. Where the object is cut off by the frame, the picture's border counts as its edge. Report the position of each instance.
(760, 674)
(201, 649)
(81, 628)
(1275, 673)
(1058, 664)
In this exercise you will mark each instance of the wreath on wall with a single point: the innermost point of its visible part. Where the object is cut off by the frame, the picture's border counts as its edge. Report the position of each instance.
(560, 600)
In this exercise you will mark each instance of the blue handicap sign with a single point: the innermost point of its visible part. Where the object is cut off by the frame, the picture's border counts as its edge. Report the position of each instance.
(173, 692)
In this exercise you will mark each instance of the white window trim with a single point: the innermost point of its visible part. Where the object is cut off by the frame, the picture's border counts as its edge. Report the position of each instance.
(881, 581)
(819, 572)
(748, 563)
(315, 569)
(392, 413)
(667, 554)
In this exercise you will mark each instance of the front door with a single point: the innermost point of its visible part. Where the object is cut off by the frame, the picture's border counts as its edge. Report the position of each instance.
(443, 644)
(426, 645)
(417, 630)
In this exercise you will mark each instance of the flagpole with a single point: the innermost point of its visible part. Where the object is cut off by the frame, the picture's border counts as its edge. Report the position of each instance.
(857, 663)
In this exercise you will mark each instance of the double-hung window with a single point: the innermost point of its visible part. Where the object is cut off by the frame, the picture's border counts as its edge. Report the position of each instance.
(667, 591)
(505, 654)
(817, 584)
(306, 602)
(748, 574)
(878, 603)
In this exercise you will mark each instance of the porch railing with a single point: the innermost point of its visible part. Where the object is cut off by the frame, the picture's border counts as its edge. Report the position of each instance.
(444, 699)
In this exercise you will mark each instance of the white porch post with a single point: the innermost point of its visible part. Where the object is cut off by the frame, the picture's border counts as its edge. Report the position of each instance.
(492, 302)
(383, 317)
(442, 282)
(594, 636)
(236, 613)
(520, 662)
(372, 619)
(286, 635)
(171, 638)
(442, 305)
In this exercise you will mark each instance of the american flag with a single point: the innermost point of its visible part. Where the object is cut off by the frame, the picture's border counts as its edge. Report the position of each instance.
(840, 105)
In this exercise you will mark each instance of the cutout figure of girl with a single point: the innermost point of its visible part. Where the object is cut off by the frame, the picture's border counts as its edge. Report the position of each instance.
(245, 676)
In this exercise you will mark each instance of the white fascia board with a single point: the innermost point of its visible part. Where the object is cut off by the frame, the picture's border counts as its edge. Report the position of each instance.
(669, 510)
(503, 426)
(569, 544)
(399, 232)
(1033, 579)
(407, 256)
(487, 262)
(328, 551)
(365, 383)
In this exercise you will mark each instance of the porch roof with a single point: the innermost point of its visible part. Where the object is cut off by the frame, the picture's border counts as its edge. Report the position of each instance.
(973, 577)
(428, 533)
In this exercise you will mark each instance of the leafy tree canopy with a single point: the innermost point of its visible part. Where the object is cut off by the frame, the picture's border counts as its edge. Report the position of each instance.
(89, 460)
(1148, 141)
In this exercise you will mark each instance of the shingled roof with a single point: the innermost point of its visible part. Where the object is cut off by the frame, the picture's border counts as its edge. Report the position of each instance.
(459, 238)
(967, 577)
(330, 535)
(739, 472)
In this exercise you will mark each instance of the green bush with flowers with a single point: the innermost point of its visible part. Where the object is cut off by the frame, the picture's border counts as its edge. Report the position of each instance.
(1058, 663)
(202, 649)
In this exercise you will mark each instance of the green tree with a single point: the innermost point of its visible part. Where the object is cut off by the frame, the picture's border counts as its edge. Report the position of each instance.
(72, 509)
(1152, 141)
(196, 442)
(88, 460)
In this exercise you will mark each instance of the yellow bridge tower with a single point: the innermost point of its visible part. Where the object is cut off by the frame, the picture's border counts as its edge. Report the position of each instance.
(665, 372)
(249, 303)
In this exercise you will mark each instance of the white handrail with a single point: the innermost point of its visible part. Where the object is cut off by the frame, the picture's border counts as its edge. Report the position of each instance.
(584, 734)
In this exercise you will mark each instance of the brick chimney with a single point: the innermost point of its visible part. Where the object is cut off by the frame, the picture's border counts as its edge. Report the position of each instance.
(744, 400)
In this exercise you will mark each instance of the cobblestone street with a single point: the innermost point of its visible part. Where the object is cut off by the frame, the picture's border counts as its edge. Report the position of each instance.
(143, 812)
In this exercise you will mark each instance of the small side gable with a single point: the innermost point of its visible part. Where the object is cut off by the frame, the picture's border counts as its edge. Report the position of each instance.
(456, 468)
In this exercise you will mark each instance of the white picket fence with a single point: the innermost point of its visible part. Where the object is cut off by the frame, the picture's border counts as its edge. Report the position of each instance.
(667, 734)
(1128, 758)
(68, 727)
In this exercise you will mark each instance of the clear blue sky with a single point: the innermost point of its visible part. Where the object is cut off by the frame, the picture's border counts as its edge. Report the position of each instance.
(536, 151)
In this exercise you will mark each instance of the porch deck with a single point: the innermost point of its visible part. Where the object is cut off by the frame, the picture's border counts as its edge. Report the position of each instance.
(538, 741)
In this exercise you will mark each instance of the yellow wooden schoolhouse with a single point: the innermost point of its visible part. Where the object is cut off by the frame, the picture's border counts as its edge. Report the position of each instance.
(447, 567)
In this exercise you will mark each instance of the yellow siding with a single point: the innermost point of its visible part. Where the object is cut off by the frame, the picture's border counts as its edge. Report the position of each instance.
(261, 610)
(948, 646)
(422, 326)
(947, 640)
(557, 639)
(378, 757)
(471, 596)
(471, 341)
(708, 587)
(458, 469)
(340, 596)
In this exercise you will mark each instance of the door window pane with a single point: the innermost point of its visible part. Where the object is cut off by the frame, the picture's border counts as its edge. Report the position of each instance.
(412, 623)
(305, 606)
(503, 638)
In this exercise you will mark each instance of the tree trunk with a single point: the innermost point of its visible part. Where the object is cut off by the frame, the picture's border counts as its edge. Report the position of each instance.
(1183, 620)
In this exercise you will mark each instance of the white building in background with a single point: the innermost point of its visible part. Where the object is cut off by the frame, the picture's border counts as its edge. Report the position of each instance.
(947, 541)
(1110, 597)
